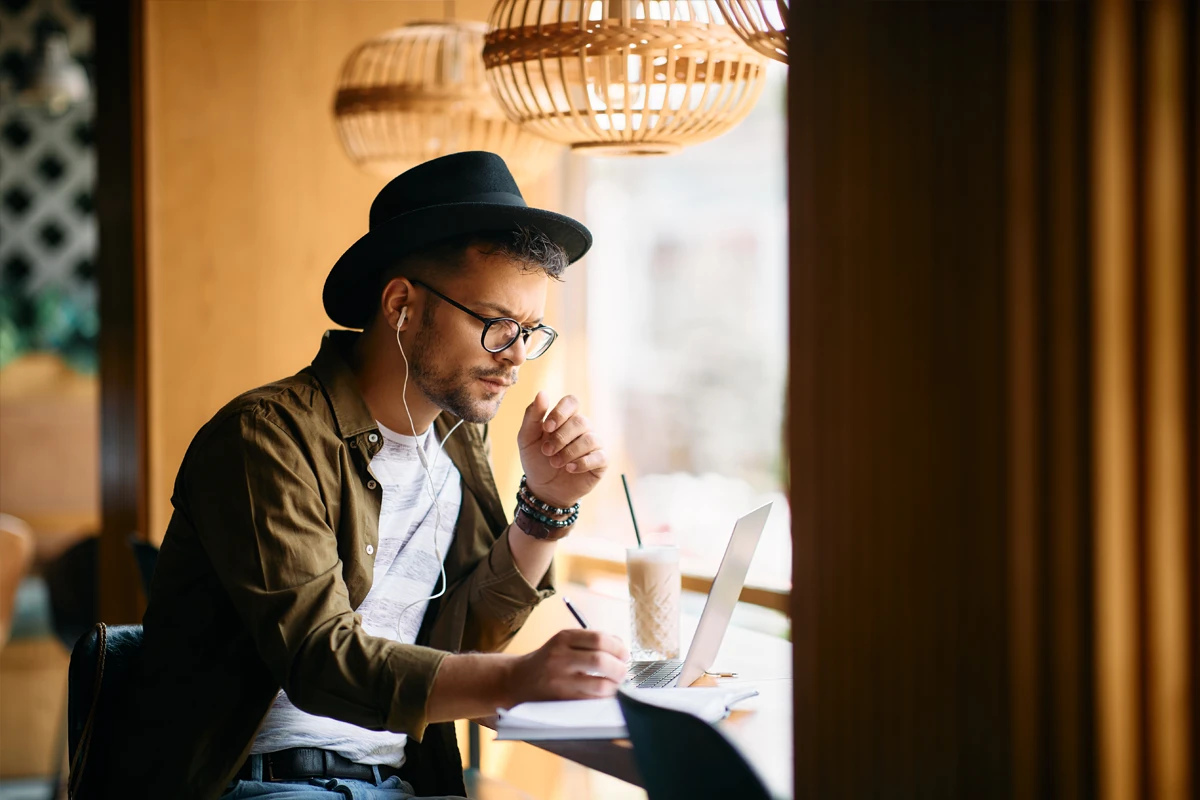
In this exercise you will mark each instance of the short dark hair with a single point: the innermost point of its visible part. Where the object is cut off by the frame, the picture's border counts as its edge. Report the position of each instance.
(532, 249)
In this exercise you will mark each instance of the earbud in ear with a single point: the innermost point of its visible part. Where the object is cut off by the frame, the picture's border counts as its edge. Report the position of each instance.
(403, 316)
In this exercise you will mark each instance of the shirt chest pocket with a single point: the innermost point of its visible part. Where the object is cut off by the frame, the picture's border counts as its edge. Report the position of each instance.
(357, 534)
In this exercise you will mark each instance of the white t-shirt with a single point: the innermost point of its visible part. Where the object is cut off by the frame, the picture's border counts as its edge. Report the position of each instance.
(407, 568)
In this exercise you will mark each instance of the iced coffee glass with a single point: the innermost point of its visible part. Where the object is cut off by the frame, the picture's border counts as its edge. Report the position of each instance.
(653, 602)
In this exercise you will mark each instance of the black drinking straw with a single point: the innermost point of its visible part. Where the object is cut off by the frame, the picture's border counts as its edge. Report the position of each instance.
(632, 516)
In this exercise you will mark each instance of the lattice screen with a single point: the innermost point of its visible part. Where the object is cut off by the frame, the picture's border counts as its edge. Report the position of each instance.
(47, 168)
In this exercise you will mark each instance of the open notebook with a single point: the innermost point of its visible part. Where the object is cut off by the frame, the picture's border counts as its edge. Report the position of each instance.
(602, 719)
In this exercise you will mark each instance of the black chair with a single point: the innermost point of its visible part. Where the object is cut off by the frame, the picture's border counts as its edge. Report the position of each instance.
(100, 656)
(682, 757)
(100, 662)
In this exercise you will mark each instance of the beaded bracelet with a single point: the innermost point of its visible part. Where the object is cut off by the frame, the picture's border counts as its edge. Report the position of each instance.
(542, 518)
(529, 498)
(524, 496)
(531, 527)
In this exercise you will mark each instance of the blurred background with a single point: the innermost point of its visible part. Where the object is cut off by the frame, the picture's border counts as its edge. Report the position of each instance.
(922, 274)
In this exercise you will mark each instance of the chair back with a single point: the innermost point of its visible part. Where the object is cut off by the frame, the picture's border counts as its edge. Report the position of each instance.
(682, 757)
(146, 556)
(100, 662)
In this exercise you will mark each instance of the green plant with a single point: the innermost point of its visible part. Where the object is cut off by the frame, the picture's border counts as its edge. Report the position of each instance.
(49, 319)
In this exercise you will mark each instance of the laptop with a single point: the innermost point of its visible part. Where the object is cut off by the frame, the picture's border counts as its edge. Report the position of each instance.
(726, 588)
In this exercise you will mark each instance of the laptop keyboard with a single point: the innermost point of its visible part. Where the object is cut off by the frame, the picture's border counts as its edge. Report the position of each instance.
(654, 674)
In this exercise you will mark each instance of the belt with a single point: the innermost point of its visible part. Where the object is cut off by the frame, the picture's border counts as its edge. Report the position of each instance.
(298, 763)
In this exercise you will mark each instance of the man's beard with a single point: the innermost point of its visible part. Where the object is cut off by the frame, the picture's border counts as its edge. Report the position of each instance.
(450, 389)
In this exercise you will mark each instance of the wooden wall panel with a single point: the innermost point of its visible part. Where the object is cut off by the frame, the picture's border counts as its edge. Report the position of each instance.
(55, 490)
(250, 199)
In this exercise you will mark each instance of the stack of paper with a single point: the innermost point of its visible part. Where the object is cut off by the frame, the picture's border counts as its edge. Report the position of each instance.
(602, 719)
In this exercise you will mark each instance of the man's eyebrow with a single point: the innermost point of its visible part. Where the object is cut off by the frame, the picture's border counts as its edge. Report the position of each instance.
(504, 312)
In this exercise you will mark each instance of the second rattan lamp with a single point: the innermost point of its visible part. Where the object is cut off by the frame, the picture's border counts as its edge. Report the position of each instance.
(762, 24)
(621, 77)
(419, 92)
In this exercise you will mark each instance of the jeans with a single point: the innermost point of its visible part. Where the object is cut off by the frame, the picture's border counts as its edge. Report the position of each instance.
(316, 788)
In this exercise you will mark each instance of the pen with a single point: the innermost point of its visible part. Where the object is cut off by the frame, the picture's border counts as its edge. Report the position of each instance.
(575, 613)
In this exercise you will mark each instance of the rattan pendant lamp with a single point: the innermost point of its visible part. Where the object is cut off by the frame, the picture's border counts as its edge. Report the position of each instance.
(419, 92)
(621, 77)
(762, 24)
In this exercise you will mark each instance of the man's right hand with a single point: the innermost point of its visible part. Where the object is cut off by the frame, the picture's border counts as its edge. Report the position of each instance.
(572, 665)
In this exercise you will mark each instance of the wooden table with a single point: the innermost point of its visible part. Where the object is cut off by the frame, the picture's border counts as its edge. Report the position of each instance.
(760, 727)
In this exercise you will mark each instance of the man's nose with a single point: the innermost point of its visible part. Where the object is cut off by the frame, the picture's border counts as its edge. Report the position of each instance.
(514, 353)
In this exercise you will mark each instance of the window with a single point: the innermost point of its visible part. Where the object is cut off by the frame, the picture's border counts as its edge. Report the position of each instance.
(686, 339)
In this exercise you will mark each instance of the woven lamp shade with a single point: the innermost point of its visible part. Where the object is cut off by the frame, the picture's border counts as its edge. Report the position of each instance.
(419, 92)
(762, 24)
(621, 77)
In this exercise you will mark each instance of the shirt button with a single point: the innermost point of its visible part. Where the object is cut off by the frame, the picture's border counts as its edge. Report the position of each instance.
(374, 437)
(370, 550)
(371, 484)
(353, 443)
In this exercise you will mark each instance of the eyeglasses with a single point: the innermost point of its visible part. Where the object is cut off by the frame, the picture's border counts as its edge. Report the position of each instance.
(501, 333)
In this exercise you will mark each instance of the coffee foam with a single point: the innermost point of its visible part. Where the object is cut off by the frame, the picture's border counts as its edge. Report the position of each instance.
(658, 553)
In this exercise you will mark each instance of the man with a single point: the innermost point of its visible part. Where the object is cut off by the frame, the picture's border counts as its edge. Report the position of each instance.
(339, 564)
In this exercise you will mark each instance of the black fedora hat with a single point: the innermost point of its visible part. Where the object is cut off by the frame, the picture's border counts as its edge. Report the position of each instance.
(450, 196)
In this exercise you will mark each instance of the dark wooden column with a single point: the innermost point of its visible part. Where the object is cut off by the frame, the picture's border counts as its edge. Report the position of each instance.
(899, 399)
(994, 416)
(119, 207)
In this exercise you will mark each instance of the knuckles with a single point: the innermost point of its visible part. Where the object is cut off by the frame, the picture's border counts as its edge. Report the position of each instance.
(583, 445)
(579, 664)
(570, 431)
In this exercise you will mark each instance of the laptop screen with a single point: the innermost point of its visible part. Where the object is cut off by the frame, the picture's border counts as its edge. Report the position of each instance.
(726, 588)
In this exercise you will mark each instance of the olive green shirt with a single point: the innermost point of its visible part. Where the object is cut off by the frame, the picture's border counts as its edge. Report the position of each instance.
(268, 553)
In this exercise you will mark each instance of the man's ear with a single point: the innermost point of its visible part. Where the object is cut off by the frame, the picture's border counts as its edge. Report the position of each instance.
(397, 294)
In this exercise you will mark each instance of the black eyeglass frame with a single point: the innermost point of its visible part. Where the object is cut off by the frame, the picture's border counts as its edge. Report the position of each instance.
(522, 331)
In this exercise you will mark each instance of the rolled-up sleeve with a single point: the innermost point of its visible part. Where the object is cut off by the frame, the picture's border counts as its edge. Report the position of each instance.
(256, 506)
(499, 591)
(498, 598)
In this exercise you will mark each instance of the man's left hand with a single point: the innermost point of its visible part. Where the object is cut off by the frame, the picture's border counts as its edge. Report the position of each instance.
(562, 457)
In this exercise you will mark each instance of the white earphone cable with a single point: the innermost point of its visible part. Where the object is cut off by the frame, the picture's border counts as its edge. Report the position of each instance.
(428, 467)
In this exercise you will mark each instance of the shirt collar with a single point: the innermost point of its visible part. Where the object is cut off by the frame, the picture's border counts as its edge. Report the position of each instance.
(332, 368)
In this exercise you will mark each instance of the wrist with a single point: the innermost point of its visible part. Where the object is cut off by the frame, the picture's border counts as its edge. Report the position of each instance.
(546, 500)
(510, 691)
(540, 527)
(551, 500)
(542, 519)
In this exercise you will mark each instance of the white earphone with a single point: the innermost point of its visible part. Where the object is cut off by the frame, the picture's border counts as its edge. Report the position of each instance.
(428, 467)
